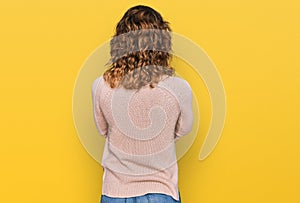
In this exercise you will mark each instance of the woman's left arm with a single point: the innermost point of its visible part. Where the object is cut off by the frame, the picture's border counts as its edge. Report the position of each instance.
(99, 118)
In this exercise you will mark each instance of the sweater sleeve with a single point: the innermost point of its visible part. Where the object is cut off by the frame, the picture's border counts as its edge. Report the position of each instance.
(99, 118)
(185, 119)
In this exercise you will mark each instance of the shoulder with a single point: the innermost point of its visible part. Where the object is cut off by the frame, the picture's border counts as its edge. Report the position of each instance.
(176, 85)
(97, 82)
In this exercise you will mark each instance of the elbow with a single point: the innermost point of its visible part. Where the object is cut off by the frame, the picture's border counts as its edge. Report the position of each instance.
(186, 128)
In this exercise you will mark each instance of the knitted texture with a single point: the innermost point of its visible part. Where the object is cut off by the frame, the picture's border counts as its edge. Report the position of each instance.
(141, 128)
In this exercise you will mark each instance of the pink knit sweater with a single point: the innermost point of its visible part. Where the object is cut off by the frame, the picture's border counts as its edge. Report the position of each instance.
(141, 127)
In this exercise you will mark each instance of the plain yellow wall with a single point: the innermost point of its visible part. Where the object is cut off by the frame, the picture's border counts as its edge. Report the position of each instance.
(255, 46)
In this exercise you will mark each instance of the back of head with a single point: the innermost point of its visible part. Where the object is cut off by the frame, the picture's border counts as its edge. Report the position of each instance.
(139, 49)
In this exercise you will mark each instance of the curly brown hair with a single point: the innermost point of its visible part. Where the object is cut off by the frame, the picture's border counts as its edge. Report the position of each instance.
(140, 50)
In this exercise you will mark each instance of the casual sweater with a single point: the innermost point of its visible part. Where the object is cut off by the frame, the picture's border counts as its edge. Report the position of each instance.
(140, 128)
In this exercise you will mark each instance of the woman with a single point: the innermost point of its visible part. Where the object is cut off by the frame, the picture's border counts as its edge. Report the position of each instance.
(141, 108)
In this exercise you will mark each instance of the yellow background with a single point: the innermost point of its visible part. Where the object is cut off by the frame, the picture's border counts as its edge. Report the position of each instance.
(255, 46)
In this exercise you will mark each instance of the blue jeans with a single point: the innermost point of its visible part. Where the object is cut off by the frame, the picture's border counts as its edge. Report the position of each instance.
(147, 198)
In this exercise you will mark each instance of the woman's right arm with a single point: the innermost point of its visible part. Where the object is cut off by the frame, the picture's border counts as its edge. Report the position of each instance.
(185, 119)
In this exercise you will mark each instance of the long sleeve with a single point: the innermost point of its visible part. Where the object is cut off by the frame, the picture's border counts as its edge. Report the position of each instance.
(185, 119)
(99, 118)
